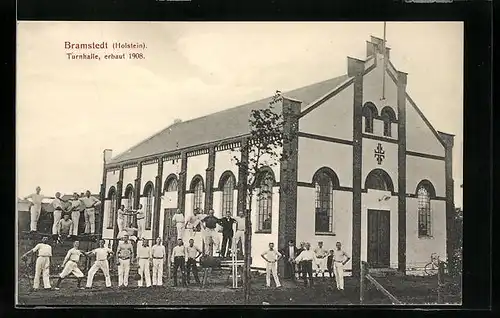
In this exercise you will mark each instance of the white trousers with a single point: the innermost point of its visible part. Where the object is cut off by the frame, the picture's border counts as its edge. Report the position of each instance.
(180, 230)
(75, 217)
(120, 222)
(144, 272)
(89, 215)
(239, 235)
(320, 264)
(140, 227)
(34, 214)
(71, 267)
(211, 235)
(99, 265)
(157, 271)
(123, 270)
(42, 269)
(57, 217)
(338, 269)
(272, 268)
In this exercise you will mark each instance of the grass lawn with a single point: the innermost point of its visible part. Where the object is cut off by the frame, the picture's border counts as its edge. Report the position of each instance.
(409, 290)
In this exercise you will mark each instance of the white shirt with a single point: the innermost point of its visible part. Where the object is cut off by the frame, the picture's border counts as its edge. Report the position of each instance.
(179, 251)
(140, 214)
(43, 249)
(192, 252)
(291, 251)
(75, 205)
(73, 255)
(306, 255)
(65, 226)
(158, 251)
(143, 252)
(36, 199)
(57, 204)
(125, 250)
(271, 255)
(90, 201)
(121, 214)
(178, 218)
(320, 252)
(240, 223)
(339, 256)
(101, 253)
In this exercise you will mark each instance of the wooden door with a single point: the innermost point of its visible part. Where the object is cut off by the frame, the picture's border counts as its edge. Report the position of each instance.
(379, 243)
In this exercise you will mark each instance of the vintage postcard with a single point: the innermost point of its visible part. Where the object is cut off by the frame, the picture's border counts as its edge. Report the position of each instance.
(239, 163)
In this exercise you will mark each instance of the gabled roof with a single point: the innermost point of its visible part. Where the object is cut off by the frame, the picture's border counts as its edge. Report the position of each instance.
(225, 124)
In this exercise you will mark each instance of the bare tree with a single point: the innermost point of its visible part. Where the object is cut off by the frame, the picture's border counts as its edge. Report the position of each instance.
(262, 149)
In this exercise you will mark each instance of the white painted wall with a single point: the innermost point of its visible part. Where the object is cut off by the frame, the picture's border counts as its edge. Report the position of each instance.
(266, 160)
(419, 137)
(224, 161)
(370, 200)
(334, 118)
(129, 176)
(169, 167)
(342, 220)
(149, 173)
(418, 169)
(196, 165)
(107, 233)
(419, 250)
(111, 179)
(389, 164)
(372, 88)
(314, 154)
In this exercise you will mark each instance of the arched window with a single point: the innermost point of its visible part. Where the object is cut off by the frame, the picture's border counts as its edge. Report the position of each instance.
(112, 208)
(227, 184)
(148, 193)
(388, 116)
(197, 188)
(170, 184)
(369, 113)
(129, 194)
(265, 200)
(378, 179)
(324, 181)
(425, 191)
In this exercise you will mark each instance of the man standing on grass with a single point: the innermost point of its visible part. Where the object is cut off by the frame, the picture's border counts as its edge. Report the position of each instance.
(211, 237)
(306, 258)
(239, 235)
(125, 255)
(102, 255)
(159, 258)
(90, 204)
(290, 252)
(179, 260)
(70, 265)
(36, 207)
(227, 233)
(42, 263)
(297, 253)
(178, 220)
(271, 256)
(192, 253)
(144, 258)
(320, 259)
(340, 259)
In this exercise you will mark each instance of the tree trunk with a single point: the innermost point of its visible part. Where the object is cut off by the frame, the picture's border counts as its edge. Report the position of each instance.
(248, 244)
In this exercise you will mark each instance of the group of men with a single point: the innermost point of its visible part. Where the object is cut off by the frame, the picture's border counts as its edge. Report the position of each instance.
(208, 226)
(66, 216)
(145, 256)
(123, 225)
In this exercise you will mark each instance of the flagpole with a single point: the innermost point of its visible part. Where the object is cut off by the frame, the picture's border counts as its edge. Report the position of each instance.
(385, 61)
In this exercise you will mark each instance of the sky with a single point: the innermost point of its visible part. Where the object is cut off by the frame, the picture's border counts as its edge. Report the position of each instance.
(69, 111)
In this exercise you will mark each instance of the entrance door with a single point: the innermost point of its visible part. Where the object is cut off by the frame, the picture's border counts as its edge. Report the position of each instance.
(379, 242)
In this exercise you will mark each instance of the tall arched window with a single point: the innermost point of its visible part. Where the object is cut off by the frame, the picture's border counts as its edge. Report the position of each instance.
(197, 188)
(425, 191)
(378, 179)
(148, 209)
(369, 113)
(265, 201)
(388, 116)
(170, 184)
(324, 181)
(227, 184)
(112, 208)
(129, 194)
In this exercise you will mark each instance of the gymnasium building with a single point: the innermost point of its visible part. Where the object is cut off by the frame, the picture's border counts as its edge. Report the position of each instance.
(368, 170)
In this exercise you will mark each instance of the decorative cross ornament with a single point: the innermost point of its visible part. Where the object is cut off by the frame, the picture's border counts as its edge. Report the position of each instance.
(379, 153)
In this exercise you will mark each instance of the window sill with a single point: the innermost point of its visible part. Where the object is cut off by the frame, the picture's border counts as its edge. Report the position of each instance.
(325, 233)
(262, 232)
(109, 228)
(426, 237)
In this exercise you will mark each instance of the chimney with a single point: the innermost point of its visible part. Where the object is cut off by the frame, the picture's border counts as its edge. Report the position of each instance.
(108, 153)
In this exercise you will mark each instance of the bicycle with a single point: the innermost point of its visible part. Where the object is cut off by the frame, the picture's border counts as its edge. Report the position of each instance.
(431, 268)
